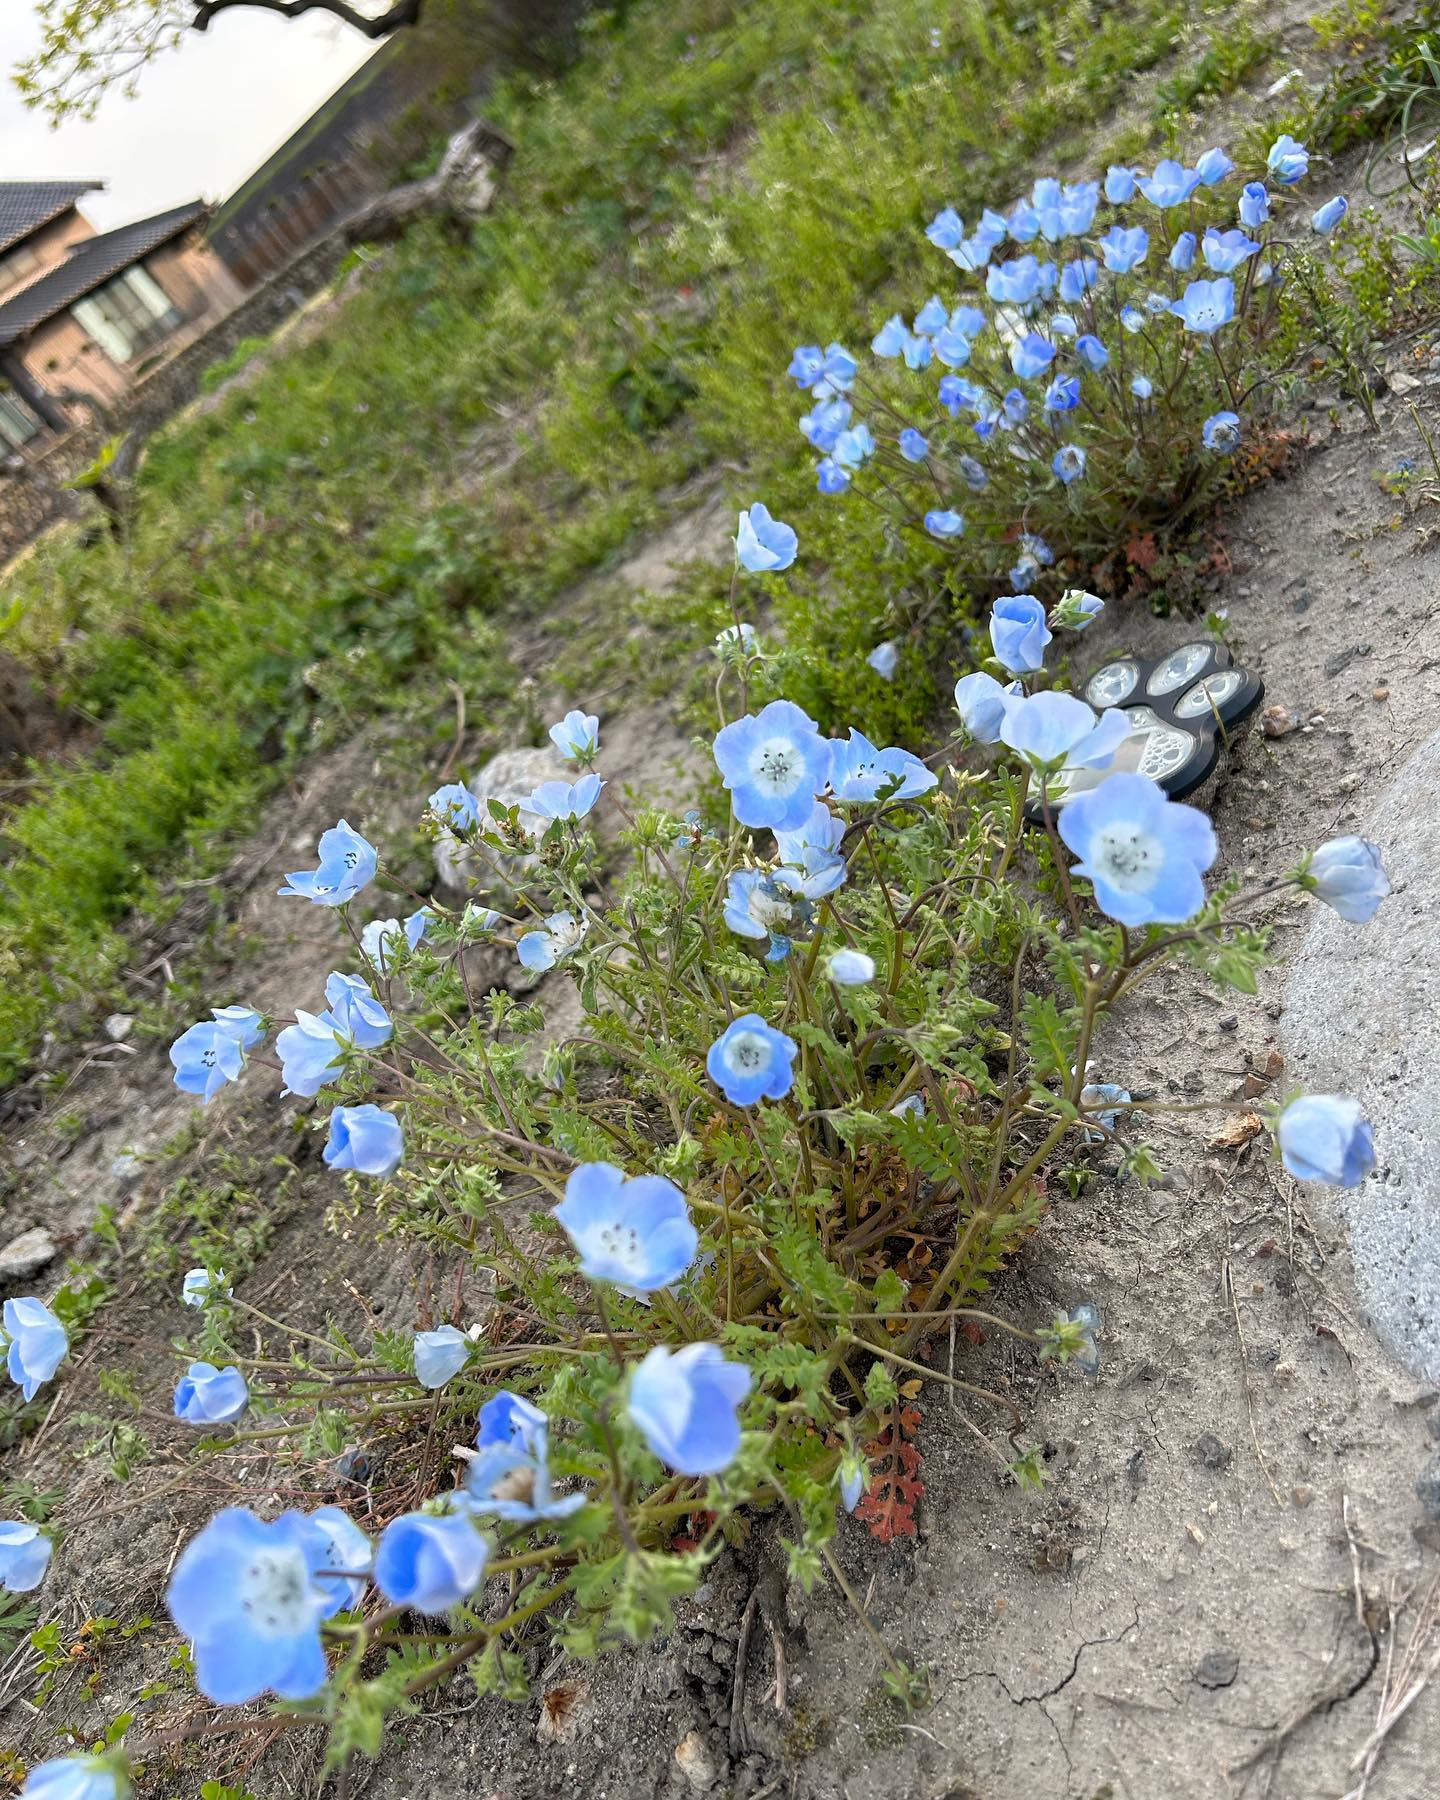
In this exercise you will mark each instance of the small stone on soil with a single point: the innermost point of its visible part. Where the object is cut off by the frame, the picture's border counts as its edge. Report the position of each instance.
(1218, 1669)
(1210, 1453)
(1427, 1486)
(27, 1254)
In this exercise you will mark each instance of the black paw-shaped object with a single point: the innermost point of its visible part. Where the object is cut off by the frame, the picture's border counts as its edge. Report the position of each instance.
(1183, 706)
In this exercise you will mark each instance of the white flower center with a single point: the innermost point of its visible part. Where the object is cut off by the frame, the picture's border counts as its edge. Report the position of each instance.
(1127, 857)
(518, 1484)
(776, 766)
(767, 908)
(622, 1244)
(275, 1593)
(746, 1053)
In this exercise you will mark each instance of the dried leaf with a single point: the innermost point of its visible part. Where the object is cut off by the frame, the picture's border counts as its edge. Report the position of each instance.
(1237, 1130)
(888, 1507)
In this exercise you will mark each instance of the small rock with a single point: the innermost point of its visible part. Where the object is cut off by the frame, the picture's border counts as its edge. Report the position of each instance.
(119, 1026)
(1427, 1487)
(1210, 1453)
(1301, 1494)
(1279, 721)
(1217, 1669)
(1195, 1535)
(1381, 693)
(27, 1254)
(696, 1764)
(1230, 1022)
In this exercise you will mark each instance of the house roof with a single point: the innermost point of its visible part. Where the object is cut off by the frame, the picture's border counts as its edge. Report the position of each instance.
(90, 263)
(27, 205)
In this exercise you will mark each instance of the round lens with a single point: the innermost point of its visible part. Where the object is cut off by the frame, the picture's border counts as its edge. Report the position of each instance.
(1209, 695)
(1110, 685)
(1179, 667)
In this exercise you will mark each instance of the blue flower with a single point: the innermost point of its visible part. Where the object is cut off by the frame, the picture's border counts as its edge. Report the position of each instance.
(774, 763)
(1145, 854)
(1063, 394)
(205, 1395)
(806, 365)
(1347, 873)
(1170, 185)
(973, 474)
(1221, 432)
(933, 316)
(634, 1231)
(971, 253)
(560, 935)
(823, 831)
(1124, 247)
(1132, 319)
(1014, 283)
(838, 368)
(200, 1286)
(916, 351)
(852, 1482)
(24, 1556)
(912, 445)
(1078, 610)
(969, 321)
(1051, 730)
(686, 1404)
(1024, 223)
(312, 1050)
(1287, 160)
(75, 1778)
(1119, 184)
(1254, 204)
(211, 1053)
(439, 1354)
(1326, 1137)
(1328, 216)
(956, 394)
(884, 659)
(249, 1597)
(1032, 355)
(1206, 305)
(1077, 278)
(35, 1343)
(763, 543)
(1224, 251)
(347, 863)
(417, 924)
(858, 771)
(1091, 351)
(943, 523)
(1068, 462)
(511, 1475)
(750, 1061)
(953, 348)
(889, 340)
(380, 943)
(366, 1139)
(854, 446)
(577, 736)
(822, 425)
(1158, 304)
(850, 968)
(564, 799)
(1016, 406)
(810, 875)
(1035, 547)
(1087, 1317)
(982, 704)
(1062, 326)
(946, 229)
(1019, 633)
(430, 1561)
(1182, 252)
(1141, 387)
(455, 807)
(830, 478)
(1213, 167)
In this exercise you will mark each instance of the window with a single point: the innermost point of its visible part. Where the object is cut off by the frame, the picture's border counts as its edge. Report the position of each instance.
(128, 314)
(17, 423)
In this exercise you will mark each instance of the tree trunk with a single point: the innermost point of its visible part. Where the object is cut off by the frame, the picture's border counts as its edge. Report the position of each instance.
(460, 189)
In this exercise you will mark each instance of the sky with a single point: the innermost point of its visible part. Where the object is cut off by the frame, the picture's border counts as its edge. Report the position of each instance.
(205, 116)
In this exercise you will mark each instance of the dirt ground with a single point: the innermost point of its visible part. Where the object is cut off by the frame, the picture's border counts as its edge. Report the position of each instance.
(1220, 1585)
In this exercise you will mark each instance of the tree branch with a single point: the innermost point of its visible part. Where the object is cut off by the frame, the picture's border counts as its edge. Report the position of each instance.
(398, 14)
